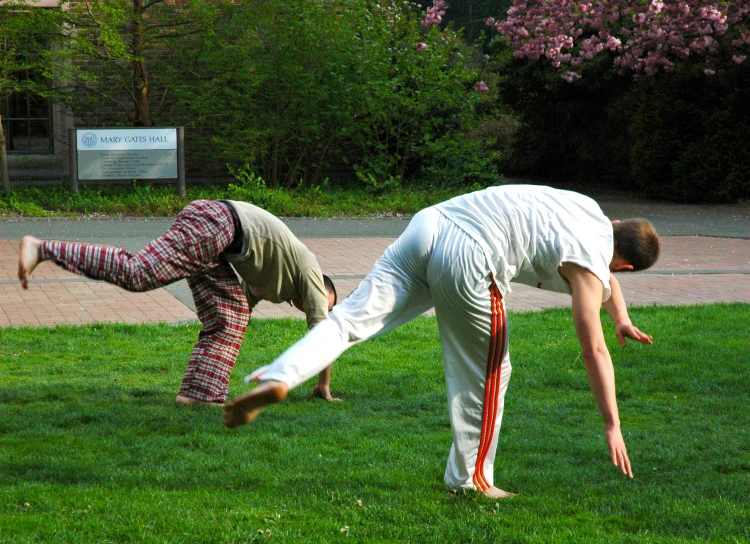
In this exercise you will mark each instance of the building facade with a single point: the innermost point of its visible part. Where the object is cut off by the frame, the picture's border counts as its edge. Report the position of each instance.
(35, 129)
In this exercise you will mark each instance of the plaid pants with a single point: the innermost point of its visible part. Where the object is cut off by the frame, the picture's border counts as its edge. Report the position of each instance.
(190, 249)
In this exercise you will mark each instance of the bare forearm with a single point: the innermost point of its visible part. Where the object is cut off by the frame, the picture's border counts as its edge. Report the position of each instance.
(601, 377)
(615, 304)
(618, 312)
(587, 296)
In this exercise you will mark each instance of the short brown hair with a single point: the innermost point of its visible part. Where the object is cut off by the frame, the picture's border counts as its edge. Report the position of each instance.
(637, 242)
(330, 288)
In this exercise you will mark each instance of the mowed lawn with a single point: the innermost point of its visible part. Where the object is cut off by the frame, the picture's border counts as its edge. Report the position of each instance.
(93, 449)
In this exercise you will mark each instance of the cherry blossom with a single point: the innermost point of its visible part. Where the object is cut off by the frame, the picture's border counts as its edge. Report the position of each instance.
(644, 38)
(434, 15)
(481, 87)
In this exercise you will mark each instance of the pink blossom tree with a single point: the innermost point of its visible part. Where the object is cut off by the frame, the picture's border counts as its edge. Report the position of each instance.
(643, 38)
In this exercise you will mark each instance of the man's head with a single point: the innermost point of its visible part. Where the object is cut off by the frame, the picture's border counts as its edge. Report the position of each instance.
(331, 289)
(332, 296)
(636, 243)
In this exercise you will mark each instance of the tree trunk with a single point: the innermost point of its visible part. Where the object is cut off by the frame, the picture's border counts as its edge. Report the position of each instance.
(4, 160)
(140, 74)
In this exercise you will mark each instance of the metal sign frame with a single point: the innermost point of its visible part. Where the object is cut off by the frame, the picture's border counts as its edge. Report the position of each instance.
(97, 154)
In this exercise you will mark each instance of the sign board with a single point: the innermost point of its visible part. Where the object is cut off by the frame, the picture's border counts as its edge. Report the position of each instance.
(126, 153)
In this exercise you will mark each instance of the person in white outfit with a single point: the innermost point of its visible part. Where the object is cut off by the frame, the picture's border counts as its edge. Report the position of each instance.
(459, 257)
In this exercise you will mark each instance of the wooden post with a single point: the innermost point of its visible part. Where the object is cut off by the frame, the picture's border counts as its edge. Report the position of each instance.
(73, 160)
(181, 162)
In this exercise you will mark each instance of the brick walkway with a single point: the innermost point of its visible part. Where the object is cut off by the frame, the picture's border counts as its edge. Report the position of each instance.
(692, 270)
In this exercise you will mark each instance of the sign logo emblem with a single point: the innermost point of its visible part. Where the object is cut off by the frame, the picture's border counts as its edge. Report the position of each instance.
(88, 140)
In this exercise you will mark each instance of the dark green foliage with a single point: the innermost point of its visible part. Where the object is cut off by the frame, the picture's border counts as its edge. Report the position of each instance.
(566, 131)
(291, 89)
(92, 448)
(690, 135)
(471, 15)
(471, 157)
(680, 136)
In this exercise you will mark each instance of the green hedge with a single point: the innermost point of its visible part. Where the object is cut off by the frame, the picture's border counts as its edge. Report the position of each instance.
(681, 136)
(297, 88)
(690, 136)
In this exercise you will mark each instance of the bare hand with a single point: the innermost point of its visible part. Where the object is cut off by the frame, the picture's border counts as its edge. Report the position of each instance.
(618, 451)
(324, 392)
(632, 332)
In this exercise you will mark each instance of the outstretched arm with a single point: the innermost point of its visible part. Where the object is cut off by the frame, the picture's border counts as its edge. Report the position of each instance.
(587, 295)
(316, 302)
(618, 312)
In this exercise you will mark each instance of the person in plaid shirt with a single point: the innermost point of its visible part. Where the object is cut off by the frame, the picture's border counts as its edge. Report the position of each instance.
(210, 244)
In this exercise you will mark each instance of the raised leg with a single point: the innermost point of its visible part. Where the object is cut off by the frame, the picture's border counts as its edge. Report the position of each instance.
(190, 249)
(191, 246)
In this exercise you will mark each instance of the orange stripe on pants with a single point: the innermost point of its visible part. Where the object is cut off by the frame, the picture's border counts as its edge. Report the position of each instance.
(498, 347)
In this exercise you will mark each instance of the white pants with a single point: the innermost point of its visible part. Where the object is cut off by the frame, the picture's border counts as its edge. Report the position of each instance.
(433, 262)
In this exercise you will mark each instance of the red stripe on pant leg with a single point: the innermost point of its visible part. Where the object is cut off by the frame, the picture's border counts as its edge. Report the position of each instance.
(491, 391)
(479, 479)
(494, 379)
(492, 385)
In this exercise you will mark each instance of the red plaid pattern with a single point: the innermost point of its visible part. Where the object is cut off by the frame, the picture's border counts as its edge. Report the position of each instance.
(190, 249)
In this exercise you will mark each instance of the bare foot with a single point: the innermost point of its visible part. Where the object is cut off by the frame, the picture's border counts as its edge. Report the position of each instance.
(29, 255)
(496, 493)
(187, 401)
(245, 408)
(324, 392)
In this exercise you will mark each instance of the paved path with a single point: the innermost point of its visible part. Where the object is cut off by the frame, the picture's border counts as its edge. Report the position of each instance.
(706, 258)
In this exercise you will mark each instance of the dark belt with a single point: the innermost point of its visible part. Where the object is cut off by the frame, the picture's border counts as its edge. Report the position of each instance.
(236, 245)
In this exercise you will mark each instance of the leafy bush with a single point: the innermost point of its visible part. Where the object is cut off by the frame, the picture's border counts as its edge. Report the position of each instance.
(680, 136)
(253, 189)
(462, 162)
(566, 131)
(293, 88)
(690, 135)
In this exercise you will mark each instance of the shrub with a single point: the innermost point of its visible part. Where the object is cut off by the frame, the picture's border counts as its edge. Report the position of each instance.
(680, 136)
(461, 163)
(293, 88)
(565, 131)
(690, 135)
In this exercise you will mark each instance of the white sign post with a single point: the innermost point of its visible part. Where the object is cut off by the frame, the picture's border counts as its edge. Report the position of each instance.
(127, 154)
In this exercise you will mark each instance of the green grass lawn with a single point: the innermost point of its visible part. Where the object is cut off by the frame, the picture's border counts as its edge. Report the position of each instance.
(92, 448)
